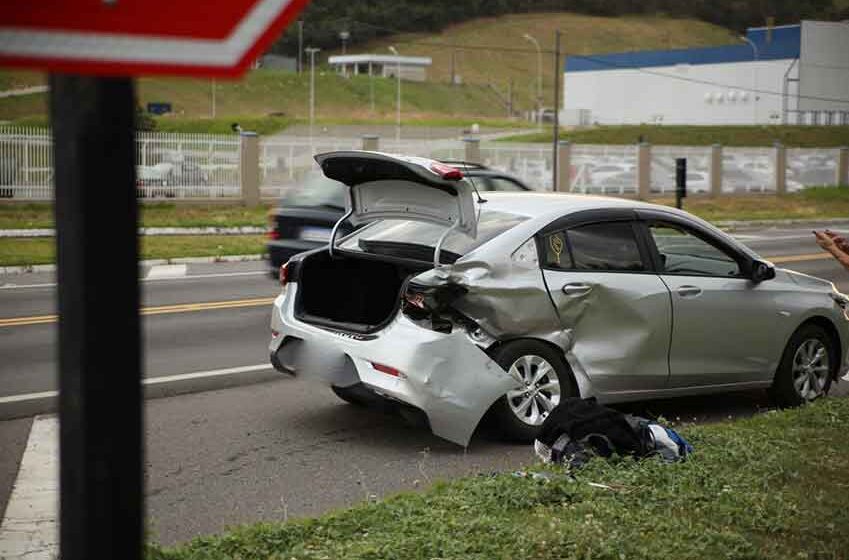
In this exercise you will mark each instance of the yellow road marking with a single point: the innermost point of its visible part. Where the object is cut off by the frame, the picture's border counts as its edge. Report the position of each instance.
(158, 310)
(799, 258)
(257, 302)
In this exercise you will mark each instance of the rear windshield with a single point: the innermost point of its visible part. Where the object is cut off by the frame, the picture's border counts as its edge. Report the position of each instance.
(316, 190)
(408, 232)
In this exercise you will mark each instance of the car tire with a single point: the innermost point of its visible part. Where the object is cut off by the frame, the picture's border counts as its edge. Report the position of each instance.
(523, 359)
(807, 367)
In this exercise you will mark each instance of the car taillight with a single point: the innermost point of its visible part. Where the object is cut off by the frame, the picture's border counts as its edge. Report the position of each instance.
(273, 234)
(387, 370)
(446, 172)
(283, 274)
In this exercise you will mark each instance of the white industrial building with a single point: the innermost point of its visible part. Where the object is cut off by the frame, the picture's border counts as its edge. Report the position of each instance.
(413, 68)
(792, 74)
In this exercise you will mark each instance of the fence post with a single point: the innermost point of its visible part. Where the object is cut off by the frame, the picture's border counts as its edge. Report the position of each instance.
(842, 167)
(473, 150)
(249, 168)
(716, 170)
(643, 170)
(780, 169)
(564, 166)
(371, 142)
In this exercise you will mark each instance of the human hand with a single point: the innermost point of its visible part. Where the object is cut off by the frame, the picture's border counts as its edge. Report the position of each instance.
(840, 241)
(825, 241)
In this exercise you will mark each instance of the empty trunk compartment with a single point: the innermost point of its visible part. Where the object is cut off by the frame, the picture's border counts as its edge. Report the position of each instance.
(351, 293)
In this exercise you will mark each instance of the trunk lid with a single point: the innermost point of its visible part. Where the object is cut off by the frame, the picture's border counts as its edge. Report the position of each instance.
(384, 186)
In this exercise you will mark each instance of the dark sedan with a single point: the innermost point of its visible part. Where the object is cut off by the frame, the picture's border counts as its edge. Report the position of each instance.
(306, 214)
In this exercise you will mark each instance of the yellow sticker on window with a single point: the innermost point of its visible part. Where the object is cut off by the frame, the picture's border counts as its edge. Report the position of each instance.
(556, 244)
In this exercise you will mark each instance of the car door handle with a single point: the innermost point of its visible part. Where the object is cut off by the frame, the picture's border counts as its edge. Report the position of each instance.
(577, 289)
(689, 291)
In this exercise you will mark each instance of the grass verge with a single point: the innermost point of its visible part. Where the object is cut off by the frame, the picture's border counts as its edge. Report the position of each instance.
(17, 251)
(40, 215)
(772, 486)
(668, 135)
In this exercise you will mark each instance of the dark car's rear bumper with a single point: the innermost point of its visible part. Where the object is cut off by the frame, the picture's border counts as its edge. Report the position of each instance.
(281, 250)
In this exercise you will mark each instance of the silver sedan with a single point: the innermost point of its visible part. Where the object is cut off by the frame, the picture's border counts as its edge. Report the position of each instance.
(451, 307)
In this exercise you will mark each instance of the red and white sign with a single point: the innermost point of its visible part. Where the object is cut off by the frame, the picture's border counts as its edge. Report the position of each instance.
(133, 37)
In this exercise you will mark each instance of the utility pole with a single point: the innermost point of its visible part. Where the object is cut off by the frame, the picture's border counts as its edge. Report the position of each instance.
(371, 86)
(556, 124)
(510, 99)
(300, 46)
(453, 67)
(539, 70)
(755, 58)
(394, 51)
(311, 51)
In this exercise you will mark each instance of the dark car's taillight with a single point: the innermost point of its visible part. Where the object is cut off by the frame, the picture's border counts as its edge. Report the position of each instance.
(283, 274)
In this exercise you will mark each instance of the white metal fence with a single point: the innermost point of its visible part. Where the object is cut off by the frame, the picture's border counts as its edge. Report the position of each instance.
(201, 166)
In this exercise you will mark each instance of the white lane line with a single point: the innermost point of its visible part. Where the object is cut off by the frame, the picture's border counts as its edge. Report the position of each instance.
(167, 271)
(10, 286)
(148, 381)
(30, 529)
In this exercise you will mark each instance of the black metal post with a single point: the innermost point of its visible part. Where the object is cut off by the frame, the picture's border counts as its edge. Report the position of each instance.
(557, 78)
(100, 406)
(680, 181)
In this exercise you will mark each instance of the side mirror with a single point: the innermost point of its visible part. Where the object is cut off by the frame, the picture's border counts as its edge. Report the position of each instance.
(762, 271)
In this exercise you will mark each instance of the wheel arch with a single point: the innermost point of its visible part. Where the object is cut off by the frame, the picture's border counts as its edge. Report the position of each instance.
(575, 386)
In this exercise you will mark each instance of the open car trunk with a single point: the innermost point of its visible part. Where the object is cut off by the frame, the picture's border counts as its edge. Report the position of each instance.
(351, 293)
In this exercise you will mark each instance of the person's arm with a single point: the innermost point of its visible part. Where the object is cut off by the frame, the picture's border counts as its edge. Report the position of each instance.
(833, 244)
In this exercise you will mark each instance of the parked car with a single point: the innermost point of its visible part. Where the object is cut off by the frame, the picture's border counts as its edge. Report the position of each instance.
(305, 215)
(450, 308)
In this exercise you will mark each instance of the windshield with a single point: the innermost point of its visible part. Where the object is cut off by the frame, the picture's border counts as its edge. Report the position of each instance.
(316, 190)
(423, 234)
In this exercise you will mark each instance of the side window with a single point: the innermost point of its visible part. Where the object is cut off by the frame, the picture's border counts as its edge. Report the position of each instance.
(681, 252)
(609, 246)
(502, 184)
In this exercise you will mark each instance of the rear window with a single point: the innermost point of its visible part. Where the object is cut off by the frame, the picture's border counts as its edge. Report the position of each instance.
(413, 233)
(316, 190)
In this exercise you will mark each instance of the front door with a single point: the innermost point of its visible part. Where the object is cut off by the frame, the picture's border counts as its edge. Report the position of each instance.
(617, 309)
(723, 323)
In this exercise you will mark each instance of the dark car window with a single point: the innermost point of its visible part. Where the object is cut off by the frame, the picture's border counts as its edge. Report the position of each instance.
(504, 185)
(316, 190)
(610, 246)
(681, 252)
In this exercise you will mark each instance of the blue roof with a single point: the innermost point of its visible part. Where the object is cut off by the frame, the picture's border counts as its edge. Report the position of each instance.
(785, 43)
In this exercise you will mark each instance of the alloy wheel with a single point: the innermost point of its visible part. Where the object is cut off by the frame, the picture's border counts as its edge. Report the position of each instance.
(539, 390)
(810, 369)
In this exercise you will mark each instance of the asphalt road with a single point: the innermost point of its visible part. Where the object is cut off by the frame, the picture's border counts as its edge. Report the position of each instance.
(286, 448)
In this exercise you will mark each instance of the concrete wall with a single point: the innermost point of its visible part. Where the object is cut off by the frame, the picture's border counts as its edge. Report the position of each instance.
(824, 66)
(678, 94)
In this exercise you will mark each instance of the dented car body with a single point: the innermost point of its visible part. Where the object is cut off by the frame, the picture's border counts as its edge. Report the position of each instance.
(455, 307)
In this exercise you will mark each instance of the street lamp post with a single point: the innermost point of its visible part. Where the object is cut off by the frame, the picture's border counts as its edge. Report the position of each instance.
(311, 51)
(394, 51)
(344, 36)
(756, 57)
(539, 70)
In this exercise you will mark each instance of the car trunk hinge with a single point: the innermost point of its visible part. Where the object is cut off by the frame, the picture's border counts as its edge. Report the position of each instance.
(438, 249)
(330, 249)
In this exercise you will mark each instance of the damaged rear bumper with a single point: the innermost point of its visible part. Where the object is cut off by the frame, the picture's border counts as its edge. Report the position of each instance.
(446, 376)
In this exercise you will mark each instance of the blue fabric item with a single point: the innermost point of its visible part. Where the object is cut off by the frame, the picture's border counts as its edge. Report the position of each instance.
(684, 447)
(786, 43)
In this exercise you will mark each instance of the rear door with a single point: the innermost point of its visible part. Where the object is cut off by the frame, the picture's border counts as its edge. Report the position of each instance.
(616, 308)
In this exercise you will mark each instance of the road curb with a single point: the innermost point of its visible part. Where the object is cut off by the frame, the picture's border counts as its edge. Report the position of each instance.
(23, 269)
(23, 406)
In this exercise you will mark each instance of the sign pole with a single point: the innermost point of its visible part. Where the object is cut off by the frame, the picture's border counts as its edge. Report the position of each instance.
(100, 406)
(556, 125)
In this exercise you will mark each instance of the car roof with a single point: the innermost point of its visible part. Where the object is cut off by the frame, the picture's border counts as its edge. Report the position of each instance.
(550, 205)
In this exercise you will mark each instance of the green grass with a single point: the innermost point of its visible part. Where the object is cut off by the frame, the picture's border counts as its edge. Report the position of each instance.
(773, 486)
(280, 97)
(18, 251)
(40, 215)
(812, 203)
(668, 135)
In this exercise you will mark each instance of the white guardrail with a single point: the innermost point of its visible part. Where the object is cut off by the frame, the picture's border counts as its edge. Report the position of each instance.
(207, 166)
